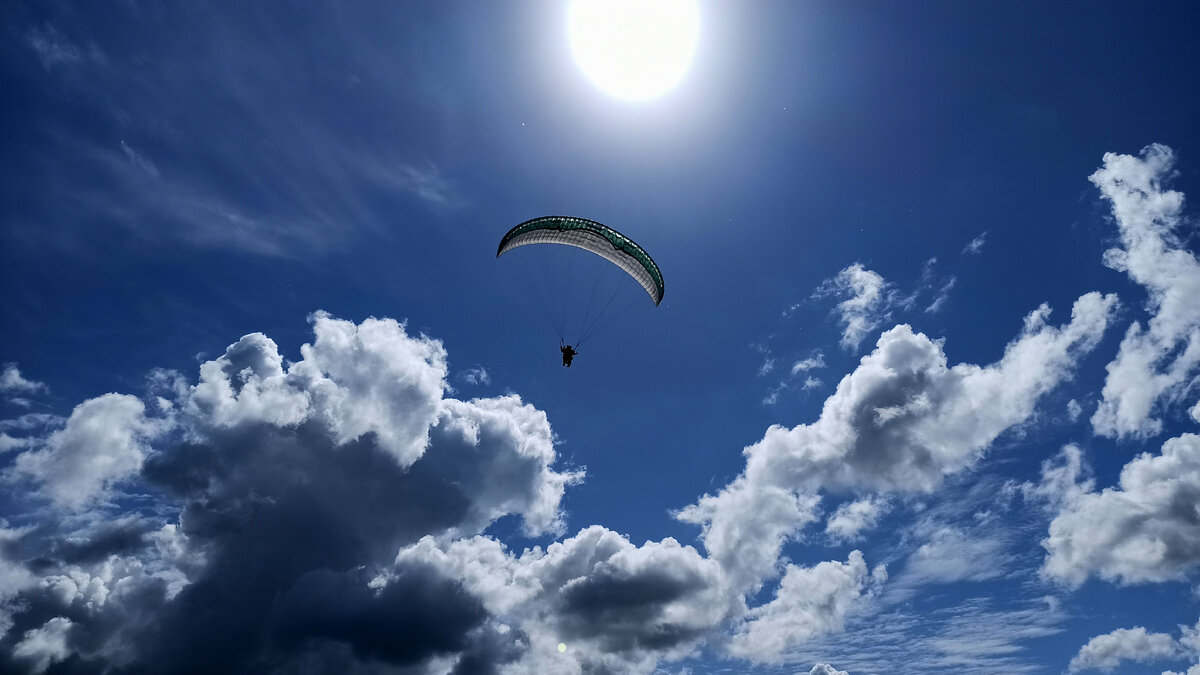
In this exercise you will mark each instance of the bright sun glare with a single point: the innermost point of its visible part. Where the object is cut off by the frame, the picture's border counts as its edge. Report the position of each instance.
(634, 49)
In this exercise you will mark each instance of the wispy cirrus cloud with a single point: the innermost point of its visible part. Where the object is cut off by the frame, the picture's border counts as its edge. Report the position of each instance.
(975, 246)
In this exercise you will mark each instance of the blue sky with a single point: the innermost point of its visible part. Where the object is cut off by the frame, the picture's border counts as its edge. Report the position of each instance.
(922, 394)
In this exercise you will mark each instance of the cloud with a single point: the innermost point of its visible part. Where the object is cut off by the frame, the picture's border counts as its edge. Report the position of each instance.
(1074, 410)
(868, 298)
(617, 607)
(425, 182)
(11, 381)
(1106, 652)
(975, 246)
(826, 669)
(105, 441)
(942, 296)
(52, 48)
(798, 369)
(1142, 530)
(950, 554)
(263, 509)
(1158, 363)
(475, 376)
(28, 428)
(971, 636)
(851, 518)
(809, 602)
(817, 360)
(41, 647)
(900, 422)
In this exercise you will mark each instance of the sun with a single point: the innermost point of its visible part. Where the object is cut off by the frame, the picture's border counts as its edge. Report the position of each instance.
(634, 49)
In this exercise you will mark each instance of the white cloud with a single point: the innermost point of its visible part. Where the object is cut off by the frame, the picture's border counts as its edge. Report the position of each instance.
(1106, 652)
(1189, 638)
(868, 298)
(14, 578)
(1158, 362)
(972, 636)
(851, 518)
(52, 48)
(900, 422)
(105, 441)
(826, 669)
(1143, 530)
(942, 296)
(817, 360)
(42, 647)
(11, 381)
(975, 246)
(475, 376)
(354, 379)
(1074, 410)
(810, 602)
(951, 554)
(1061, 478)
(424, 181)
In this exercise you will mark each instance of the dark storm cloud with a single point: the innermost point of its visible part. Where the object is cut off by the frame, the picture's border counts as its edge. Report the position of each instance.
(625, 610)
(294, 489)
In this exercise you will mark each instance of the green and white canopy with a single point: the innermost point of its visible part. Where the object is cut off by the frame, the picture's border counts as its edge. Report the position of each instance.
(589, 236)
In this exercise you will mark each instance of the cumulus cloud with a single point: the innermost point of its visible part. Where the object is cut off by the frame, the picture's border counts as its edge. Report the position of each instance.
(104, 442)
(852, 518)
(826, 669)
(1142, 530)
(1106, 652)
(901, 421)
(1157, 363)
(278, 492)
(867, 299)
(810, 602)
(617, 607)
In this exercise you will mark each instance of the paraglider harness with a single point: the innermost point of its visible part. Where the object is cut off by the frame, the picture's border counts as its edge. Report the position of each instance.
(568, 353)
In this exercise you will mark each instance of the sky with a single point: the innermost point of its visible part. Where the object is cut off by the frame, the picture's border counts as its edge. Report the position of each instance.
(922, 395)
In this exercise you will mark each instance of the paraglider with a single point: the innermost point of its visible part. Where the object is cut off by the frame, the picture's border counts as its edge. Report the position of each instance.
(598, 239)
(568, 353)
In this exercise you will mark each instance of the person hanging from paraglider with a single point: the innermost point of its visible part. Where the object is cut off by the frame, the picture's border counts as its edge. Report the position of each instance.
(568, 353)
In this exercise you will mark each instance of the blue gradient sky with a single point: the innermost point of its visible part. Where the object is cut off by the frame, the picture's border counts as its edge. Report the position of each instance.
(178, 175)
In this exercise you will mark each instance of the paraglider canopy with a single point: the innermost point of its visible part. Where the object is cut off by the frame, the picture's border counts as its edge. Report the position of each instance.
(590, 236)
